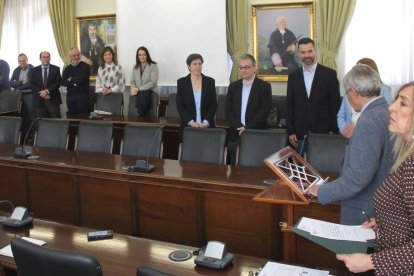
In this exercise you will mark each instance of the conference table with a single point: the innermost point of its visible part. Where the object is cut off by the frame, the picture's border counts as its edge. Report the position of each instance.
(186, 203)
(121, 255)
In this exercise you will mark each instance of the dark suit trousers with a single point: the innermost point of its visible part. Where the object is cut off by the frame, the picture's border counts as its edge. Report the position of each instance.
(48, 110)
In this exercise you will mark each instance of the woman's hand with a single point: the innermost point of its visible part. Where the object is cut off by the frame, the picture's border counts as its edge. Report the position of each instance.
(356, 262)
(370, 224)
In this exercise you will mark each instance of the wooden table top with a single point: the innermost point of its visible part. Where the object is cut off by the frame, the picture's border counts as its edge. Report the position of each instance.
(121, 255)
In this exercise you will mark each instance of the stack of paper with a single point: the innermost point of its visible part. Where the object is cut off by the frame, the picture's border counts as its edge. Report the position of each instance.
(341, 239)
(275, 269)
(6, 251)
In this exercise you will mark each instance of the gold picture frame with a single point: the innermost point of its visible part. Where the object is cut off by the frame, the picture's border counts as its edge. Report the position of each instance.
(300, 21)
(101, 29)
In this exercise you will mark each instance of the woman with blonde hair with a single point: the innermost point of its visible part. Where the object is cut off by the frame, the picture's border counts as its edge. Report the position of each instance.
(394, 200)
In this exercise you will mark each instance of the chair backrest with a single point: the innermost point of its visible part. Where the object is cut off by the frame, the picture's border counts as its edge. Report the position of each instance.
(221, 104)
(142, 140)
(279, 101)
(34, 260)
(152, 112)
(52, 133)
(94, 137)
(326, 152)
(10, 129)
(10, 100)
(257, 144)
(149, 271)
(112, 102)
(205, 145)
(172, 111)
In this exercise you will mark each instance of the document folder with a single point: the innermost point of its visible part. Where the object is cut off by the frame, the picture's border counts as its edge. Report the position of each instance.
(336, 246)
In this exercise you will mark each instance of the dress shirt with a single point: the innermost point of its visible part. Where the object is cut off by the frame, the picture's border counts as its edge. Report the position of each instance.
(308, 77)
(247, 87)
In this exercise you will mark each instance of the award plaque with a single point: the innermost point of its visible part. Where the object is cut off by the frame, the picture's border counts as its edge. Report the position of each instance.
(295, 173)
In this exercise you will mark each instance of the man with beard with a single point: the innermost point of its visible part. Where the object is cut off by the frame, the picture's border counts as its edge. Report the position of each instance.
(313, 98)
(91, 48)
(76, 79)
(282, 46)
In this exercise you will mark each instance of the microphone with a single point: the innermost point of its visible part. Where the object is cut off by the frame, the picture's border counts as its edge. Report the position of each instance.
(303, 144)
(143, 165)
(19, 151)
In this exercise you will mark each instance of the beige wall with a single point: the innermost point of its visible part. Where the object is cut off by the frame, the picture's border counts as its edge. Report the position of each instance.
(94, 7)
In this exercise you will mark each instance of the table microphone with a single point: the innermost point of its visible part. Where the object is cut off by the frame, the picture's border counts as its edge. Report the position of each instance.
(19, 152)
(143, 165)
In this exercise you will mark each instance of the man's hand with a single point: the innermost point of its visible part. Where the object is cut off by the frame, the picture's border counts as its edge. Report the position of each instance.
(293, 140)
(348, 130)
(241, 129)
(134, 91)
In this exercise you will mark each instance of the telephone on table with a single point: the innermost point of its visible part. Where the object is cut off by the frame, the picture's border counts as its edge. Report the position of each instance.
(20, 217)
(214, 255)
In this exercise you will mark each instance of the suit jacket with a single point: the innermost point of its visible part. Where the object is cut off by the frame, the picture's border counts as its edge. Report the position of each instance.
(186, 102)
(149, 78)
(53, 84)
(257, 110)
(316, 113)
(367, 162)
(19, 85)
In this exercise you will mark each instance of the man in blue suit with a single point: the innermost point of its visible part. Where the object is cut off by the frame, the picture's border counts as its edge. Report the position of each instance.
(368, 156)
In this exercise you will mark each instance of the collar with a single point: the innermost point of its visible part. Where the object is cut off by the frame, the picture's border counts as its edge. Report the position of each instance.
(312, 69)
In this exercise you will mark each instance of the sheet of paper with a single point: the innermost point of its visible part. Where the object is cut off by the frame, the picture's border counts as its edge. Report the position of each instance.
(276, 269)
(335, 231)
(7, 251)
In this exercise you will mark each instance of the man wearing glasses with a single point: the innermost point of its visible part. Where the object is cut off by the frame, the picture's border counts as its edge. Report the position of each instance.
(248, 103)
(45, 88)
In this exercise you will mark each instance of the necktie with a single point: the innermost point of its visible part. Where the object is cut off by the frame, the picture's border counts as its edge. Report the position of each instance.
(45, 77)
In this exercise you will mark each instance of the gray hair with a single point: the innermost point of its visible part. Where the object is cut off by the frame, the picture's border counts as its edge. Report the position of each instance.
(249, 57)
(281, 18)
(364, 80)
(73, 49)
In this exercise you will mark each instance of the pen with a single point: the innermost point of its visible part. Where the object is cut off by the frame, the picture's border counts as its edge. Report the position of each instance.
(365, 214)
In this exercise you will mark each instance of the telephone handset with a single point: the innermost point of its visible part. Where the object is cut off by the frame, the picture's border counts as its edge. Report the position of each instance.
(214, 255)
(20, 217)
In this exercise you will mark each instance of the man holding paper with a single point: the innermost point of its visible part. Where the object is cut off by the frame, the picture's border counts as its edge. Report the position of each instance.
(368, 158)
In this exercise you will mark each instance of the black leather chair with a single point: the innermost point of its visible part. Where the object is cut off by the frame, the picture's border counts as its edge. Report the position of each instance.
(94, 137)
(152, 112)
(205, 145)
(142, 140)
(221, 110)
(10, 100)
(171, 109)
(52, 133)
(10, 129)
(149, 271)
(257, 144)
(112, 102)
(326, 152)
(279, 101)
(35, 260)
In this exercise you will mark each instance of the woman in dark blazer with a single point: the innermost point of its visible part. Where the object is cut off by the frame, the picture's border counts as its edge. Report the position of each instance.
(196, 96)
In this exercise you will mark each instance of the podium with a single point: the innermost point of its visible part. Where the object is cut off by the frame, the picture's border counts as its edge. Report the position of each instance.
(296, 176)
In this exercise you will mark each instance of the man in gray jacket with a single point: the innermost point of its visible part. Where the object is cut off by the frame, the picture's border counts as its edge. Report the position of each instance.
(368, 157)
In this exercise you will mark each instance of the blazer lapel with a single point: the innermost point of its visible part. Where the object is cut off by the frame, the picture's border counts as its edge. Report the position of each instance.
(315, 81)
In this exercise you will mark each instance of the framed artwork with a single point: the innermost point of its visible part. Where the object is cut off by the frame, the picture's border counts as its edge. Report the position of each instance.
(93, 33)
(276, 29)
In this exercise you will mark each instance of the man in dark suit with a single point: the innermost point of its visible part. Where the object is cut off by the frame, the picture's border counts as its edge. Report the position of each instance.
(45, 88)
(247, 103)
(313, 98)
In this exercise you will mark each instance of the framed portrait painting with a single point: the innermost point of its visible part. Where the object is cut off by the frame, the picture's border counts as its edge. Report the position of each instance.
(93, 33)
(276, 29)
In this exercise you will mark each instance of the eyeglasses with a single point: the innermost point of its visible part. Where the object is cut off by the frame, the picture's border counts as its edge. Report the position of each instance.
(245, 67)
(45, 57)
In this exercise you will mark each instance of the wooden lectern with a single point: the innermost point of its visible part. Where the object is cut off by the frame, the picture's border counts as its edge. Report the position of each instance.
(296, 177)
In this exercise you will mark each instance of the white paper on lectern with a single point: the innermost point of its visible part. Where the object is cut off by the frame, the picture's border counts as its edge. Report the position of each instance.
(336, 231)
(214, 250)
(275, 269)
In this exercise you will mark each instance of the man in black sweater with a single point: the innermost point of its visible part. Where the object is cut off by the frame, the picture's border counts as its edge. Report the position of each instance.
(76, 79)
